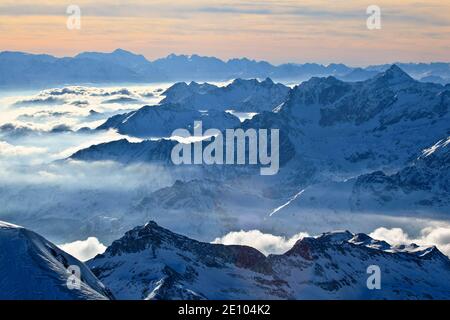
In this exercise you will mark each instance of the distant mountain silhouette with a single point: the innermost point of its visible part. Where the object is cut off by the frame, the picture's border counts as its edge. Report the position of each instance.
(18, 69)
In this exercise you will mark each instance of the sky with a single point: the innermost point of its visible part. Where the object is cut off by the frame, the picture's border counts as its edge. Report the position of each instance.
(278, 31)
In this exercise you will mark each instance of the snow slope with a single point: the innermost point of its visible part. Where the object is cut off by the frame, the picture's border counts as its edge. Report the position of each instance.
(150, 262)
(162, 120)
(240, 95)
(33, 268)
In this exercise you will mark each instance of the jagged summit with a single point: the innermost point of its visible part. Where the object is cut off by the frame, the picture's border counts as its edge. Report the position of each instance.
(151, 237)
(394, 76)
(321, 81)
(240, 81)
(362, 239)
(151, 262)
(241, 95)
(162, 120)
(267, 81)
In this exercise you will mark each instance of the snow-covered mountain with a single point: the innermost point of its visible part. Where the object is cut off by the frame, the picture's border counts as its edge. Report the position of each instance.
(423, 185)
(240, 95)
(214, 207)
(162, 120)
(348, 128)
(437, 72)
(365, 145)
(332, 127)
(123, 151)
(184, 104)
(338, 141)
(180, 91)
(416, 191)
(33, 268)
(334, 135)
(150, 262)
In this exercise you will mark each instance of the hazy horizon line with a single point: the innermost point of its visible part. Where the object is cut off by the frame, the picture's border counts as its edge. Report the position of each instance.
(225, 59)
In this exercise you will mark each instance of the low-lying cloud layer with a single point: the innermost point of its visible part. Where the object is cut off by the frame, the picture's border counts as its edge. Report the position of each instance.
(8, 150)
(73, 106)
(84, 249)
(265, 242)
(438, 236)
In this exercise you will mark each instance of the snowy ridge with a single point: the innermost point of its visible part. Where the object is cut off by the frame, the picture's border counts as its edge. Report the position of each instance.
(240, 95)
(424, 183)
(126, 152)
(33, 268)
(151, 262)
(162, 120)
(354, 147)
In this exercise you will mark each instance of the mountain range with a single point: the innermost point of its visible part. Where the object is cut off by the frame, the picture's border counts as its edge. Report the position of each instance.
(240, 95)
(349, 151)
(346, 147)
(25, 70)
(150, 262)
(372, 125)
(360, 148)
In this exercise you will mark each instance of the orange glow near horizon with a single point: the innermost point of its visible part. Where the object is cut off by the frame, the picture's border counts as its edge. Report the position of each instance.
(274, 30)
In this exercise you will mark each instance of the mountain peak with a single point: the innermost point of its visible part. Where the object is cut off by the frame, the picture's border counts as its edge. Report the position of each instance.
(123, 52)
(362, 239)
(309, 247)
(140, 238)
(336, 236)
(322, 81)
(267, 81)
(394, 75)
(152, 224)
(396, 70)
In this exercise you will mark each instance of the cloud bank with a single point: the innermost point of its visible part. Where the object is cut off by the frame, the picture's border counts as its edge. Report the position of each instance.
(438, 236)
(84, 249)
(265, 242)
